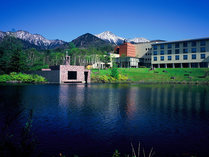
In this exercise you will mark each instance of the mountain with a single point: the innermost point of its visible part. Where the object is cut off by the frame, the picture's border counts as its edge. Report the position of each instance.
(114, 39)
(34, 39)
(138, 40)
(89, 40)
(111, 38)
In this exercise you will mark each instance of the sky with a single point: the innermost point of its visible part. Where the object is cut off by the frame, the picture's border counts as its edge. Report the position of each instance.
(67, 19)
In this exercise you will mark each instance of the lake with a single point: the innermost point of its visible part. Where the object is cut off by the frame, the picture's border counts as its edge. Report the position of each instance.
(96, 119)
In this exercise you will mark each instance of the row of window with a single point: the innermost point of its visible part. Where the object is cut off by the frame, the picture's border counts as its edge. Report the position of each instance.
(177, 45)
(147, 59)
(177, 51)
(148, 54)
(148, 49)
(177, 57)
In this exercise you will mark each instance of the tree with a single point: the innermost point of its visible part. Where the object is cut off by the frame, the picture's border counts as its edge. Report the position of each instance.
(71, 45)
(11, 55)
(105, 59)
(114, 72)
(17, 62)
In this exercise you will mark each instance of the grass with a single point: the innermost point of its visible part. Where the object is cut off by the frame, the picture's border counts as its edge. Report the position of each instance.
(169, 75)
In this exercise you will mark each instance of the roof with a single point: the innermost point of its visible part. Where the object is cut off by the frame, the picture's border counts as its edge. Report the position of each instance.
(177, 41)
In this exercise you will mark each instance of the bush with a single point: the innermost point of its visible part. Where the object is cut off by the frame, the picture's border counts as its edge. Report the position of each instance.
(104, 78)
(20, 77)
(122, 77)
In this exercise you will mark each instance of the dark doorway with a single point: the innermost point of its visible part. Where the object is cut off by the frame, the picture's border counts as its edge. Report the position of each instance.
(86, 77)
(72, 75)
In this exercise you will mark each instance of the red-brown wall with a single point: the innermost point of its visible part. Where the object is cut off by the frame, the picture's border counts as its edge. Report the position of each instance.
(127, 49)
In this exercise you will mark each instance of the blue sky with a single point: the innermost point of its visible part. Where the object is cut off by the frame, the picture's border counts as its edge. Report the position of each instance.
(67, 19)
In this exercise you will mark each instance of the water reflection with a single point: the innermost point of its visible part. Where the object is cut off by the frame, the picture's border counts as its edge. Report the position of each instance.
(101, 117)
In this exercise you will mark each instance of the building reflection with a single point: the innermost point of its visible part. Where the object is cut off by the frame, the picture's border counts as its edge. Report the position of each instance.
(179, 100)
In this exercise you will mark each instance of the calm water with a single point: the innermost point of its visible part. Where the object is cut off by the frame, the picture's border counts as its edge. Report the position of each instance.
(96, 119)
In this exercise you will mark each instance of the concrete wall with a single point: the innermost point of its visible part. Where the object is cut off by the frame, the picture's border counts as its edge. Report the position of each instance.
(80, 73)
(144, 52)
(51, 76)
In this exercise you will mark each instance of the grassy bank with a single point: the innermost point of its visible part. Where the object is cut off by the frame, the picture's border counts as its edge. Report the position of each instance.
(21, 78)
(160, 75)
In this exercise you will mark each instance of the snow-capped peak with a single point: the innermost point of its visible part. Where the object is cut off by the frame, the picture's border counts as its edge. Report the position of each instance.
(110, 37)
(114, 39)
(35, 39)
(138, 40)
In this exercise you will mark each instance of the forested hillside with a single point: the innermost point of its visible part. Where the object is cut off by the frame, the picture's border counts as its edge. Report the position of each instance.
(16, 57)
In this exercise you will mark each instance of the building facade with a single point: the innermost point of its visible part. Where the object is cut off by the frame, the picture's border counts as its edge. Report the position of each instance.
(127, 56)
(144, 53)
(193, 53)
(127, 49)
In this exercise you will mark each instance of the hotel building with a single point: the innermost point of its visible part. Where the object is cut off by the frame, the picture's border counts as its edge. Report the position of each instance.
(193, 53)
(127, 57)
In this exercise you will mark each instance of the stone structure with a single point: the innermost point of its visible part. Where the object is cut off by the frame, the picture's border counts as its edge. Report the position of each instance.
(66, 73)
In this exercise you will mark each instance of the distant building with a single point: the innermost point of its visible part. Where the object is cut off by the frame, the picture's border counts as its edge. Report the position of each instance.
(65, 73)
(127, 49)
(127, 57)
(193, 53)
(134, 55)
(101, 65)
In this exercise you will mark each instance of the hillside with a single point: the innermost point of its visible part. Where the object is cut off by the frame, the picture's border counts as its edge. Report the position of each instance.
(90, 41)
(159, 75)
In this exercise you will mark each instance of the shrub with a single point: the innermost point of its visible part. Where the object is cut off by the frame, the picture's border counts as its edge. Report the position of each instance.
(122, 77)
(20, 77)
(104, 78)
(114, 72)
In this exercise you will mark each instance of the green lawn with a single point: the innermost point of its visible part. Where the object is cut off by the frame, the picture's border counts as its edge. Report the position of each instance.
(145, 75)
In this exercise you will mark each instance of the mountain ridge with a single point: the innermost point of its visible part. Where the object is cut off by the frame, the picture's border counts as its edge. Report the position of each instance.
(89, 40)
(114, 39)
(34, 39)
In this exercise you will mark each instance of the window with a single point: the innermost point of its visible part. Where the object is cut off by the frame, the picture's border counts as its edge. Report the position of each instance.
(162, 52)
(169, 52)
(194, 56)
(169, 58)
(185, 50)
(185, 44)
(177, 51)
(177, 45)
(194, 43)
(177, 57)
(185, 57)
(202, 43)
(155, 58)
(155, 53)
(169, 46)
(72, 75)
(202, 56)
(162, 58)
(202, 49)
(161, 46)
(155, 47)
(194, 50)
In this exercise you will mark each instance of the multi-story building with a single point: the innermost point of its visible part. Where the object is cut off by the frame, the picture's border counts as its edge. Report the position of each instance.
(144, 53)
(192, 53)
(134, 55)
(127, 57)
